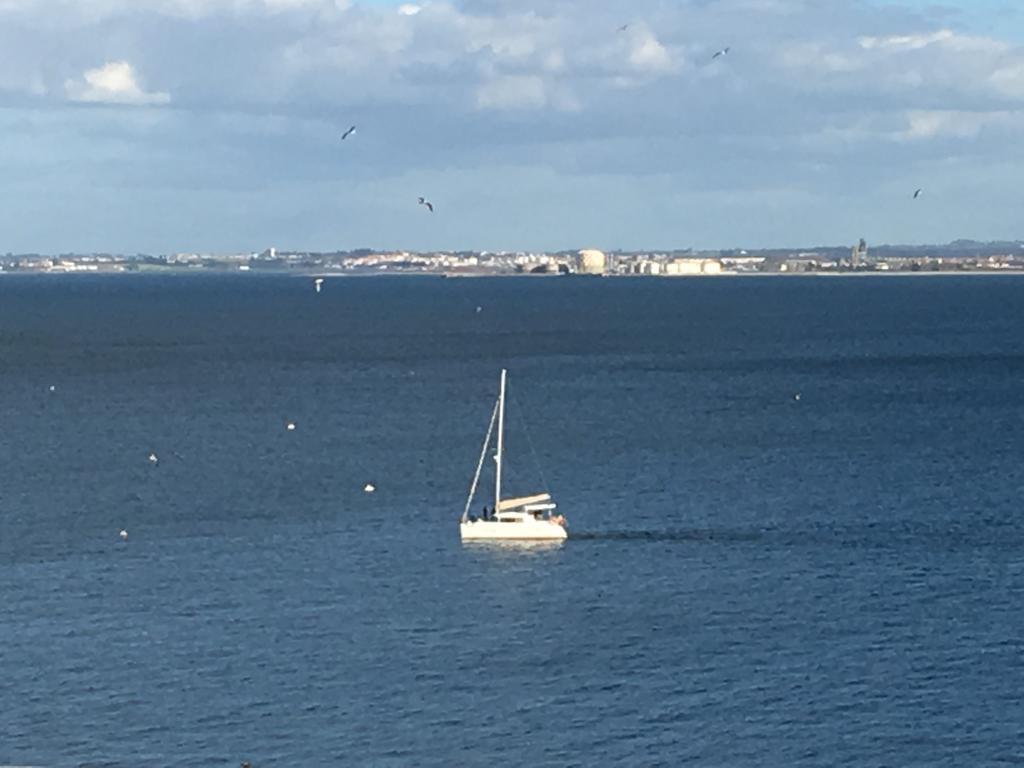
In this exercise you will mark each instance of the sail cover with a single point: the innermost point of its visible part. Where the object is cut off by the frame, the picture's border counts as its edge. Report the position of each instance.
(522, 501)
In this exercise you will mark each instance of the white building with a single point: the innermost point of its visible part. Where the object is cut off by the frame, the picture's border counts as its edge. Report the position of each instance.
(693, 267)
(592, 262)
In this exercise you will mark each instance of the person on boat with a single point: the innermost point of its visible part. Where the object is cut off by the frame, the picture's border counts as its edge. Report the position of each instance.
(484, 514)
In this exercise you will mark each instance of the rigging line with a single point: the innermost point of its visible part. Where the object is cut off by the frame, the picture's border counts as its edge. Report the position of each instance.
(529, 441)
(480, 463)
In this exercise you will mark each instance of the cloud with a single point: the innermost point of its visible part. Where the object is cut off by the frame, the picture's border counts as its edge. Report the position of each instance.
(923, 68)
(512, 92)
(649, 56)
(906, 42)
(1008, 80)
(931, 124)
(811, 92)
(98, 10)
(113, 83)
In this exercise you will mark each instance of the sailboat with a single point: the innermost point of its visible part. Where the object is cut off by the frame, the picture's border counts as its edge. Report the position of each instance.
(524, 517)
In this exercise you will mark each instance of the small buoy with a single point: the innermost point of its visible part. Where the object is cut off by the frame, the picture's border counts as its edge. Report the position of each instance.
(796, 396)
(290, 426)
(153, 459)
(369, 488)
(53, 388)
(479, 309)
(123, 534)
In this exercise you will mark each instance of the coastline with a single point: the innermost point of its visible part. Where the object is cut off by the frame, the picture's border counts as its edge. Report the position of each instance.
(360, 274)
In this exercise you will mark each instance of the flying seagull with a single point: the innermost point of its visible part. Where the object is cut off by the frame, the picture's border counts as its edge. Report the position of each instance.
(424, 201)
(348, 133)
(153, 458)
(917, 193)
(318, 283)
(624, 27)
(722, 52)
(123, 534)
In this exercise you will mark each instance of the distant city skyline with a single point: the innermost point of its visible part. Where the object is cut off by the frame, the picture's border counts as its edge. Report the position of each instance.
(215, 125)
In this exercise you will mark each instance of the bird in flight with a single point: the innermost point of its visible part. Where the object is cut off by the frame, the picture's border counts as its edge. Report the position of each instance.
(917, 193)
(722, 52)
(624, 27)
(348, 133)
(318, 284)
(424, 201)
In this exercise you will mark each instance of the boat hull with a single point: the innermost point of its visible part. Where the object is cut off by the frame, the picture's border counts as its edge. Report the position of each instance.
(540, 530)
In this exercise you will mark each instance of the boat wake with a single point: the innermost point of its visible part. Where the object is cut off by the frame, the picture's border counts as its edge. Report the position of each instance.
(678, 534)
(521, 545)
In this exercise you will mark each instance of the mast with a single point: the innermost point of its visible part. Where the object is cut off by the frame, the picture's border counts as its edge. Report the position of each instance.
(480, 463)
(501, 442)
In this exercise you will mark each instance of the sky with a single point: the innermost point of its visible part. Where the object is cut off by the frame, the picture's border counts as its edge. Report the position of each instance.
(161, 126)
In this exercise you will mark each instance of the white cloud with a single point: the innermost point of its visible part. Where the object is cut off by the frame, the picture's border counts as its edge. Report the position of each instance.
(1009, 80)
(924, 68)
(821, 58)
(906, 42)
(191, 9)
(957, 124)
(512, 92)
(848, 88)
(322, 55)
(113, 83)
(650, 57)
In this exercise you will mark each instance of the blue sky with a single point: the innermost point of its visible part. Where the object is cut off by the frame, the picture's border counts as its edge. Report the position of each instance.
(993, 17)
(214, 125)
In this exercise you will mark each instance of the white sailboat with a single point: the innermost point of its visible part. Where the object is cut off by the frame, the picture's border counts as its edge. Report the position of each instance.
(524, 517)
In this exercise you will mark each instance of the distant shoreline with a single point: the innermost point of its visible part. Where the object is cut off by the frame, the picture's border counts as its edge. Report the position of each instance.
(310, 274)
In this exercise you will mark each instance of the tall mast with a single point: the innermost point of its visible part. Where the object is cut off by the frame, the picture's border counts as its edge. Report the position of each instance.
(480, 463)
(501, 441)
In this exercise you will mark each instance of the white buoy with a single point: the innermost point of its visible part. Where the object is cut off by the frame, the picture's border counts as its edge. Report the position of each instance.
(318, 283)
(290, 426)
(369, 488)
(123, 534)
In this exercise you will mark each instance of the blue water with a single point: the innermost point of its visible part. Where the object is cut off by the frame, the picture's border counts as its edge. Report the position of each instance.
(751, 579)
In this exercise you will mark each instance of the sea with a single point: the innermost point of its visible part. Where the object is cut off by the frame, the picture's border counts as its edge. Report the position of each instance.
(794, 507)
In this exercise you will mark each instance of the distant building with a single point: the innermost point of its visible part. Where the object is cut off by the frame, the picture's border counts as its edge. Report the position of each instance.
(693, 267)
(591, 262)
(645, 267)
(858, 254)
